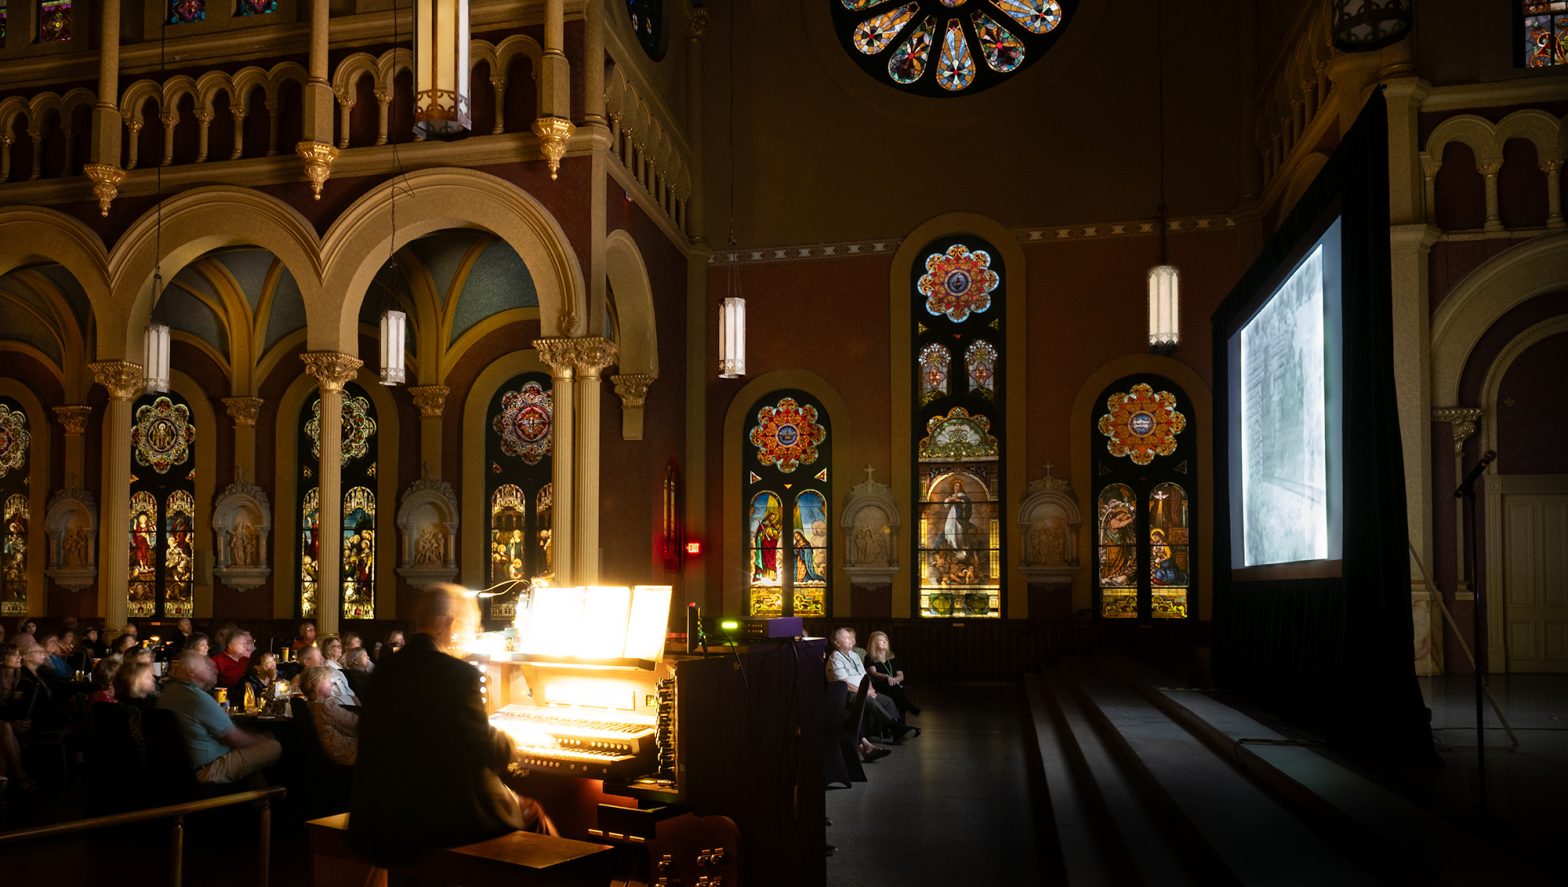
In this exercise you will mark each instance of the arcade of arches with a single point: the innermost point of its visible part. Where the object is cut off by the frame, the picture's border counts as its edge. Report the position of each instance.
(950, 398)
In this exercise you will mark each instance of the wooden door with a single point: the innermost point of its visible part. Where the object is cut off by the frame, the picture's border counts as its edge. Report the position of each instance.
(1531, 571)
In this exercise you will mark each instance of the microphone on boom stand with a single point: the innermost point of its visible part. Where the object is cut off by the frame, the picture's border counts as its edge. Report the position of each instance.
(1467, 486)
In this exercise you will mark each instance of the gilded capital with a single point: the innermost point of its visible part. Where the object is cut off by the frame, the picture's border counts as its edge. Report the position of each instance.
(1462, 420)
(553, 133)
(632, 388)
(121, 378)
(243, 410)
(73, 418)
(106, 179)
(594, 353)
(430, 399)
(559, 354)
(318, 157)
(699, 22)
(1490, 168)
(331, 369)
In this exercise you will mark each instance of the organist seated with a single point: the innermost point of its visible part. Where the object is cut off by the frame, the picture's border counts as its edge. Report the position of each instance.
(429, 761)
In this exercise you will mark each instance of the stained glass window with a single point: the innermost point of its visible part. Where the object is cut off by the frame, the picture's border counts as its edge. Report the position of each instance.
(1143, 531)
(256, 7)
(54, 21)
(186, 11)
(2, 23)
(647, 20)
(357, 483)
(939, 48)
(518, 443)
(957, 290)
(786, 506)
(163, 508)
(1544, 33)
(15, 445)
(935, 362)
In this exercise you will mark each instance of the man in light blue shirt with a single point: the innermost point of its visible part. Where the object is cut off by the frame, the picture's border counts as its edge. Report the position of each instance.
(220, 751)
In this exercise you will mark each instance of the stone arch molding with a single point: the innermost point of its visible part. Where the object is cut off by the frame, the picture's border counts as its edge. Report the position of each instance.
(431, 200)
(36, 235)
(870, 525)
(427, 527)
(71, 525)
(1511, 278)
(241, 528)
(637, 333)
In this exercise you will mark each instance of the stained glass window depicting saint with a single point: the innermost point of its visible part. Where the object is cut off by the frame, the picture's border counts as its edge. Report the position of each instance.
(947, 47)
(54, 21)
(357, 483)
(1544, 33)
(787, 498)
(1143, 448)
(519, 432)
(163, 508)
(958, 289)
(15, 517)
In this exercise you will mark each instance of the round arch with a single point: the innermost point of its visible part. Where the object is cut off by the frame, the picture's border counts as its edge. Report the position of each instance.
(736, 415)
(471, 494)
(40, 480)
(195, 223)
(35, 235)
(638, 327)
(901, 376)
(1081, 420)
(1509, 279)
(434, 200)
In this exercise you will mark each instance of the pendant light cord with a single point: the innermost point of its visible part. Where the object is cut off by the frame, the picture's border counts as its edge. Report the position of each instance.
(1159, 92)
(734, 258)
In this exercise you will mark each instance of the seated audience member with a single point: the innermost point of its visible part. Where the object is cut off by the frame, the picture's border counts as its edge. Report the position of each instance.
(130, 629)
(221, 635)
(103, 680)
(179, 638)
(336, 726)
(390, 644)
(122, 643)
(332, 648)
(423, 734)
(220, 751)
(92, 641)
(351, 640)
(77, 656)
(357, 668)
(306, 638)
(332, 653)
(882, 665)
(881, 715)
(13, 720)
(309, 657)
(27, 627)
(2, 632)
(55, 667)
(138, 654)
(263, 674)
(34, 694)
(233, 662)
(199, 644)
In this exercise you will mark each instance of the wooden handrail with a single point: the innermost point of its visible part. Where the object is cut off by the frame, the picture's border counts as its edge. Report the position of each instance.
(151, 813)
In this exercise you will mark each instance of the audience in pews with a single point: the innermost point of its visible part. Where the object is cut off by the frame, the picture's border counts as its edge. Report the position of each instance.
(220, 751)
(54, 665)
(103, 680)
(233, 662)
(391, 643)
(357, 668)
(122, 643)
(263, 673)
(179, 638)
(199, 644)
(305, 638)
(843, 665)
(883, 667)
(335, 726)
(92, 642)
(13, 721)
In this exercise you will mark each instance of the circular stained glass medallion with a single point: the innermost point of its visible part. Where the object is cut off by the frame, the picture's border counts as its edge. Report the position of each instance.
(647, 20)
(947, 47)
(1141, 423)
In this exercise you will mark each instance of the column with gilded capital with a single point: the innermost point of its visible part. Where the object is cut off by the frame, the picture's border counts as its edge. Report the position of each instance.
(315, 146)
(431, 401)
(244, 410)
(331, 370)
(594, 353)
(559, 355)
(123, 380)
(103, 163)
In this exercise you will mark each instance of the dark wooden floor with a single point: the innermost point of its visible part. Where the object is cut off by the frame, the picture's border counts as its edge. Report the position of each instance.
(953, 806)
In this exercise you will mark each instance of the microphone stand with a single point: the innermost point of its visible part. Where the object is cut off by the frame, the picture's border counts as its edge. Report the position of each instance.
(1466, 491)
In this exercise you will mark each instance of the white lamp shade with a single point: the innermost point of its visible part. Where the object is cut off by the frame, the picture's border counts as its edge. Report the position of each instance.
(1164, 307)
(732, 338)
(441, 94)
(157, 358)
(394, 336)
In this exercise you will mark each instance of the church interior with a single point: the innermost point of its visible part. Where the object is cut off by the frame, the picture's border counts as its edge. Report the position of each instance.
(307, 306)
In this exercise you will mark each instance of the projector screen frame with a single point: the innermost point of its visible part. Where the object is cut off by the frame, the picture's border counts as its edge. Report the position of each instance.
(1326, 230)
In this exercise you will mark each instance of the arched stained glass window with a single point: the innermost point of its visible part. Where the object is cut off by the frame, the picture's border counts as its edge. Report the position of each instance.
(935, 364)
(15, 517)
(163, 508)
(357, 481)
(256, 7)
(1143, 447)
(2, 22)
(1543, 33)
(959, 307)
(647, 20)
(186, 11)
(54, 21)
(518, 442)
(786, 505)
(947, 47)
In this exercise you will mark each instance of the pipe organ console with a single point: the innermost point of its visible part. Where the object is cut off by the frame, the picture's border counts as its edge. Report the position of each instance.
(707, 768)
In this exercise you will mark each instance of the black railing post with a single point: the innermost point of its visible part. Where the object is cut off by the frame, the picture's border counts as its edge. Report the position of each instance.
(177, 852)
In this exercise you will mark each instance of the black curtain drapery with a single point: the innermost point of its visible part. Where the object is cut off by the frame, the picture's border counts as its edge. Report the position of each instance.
(1336, 654)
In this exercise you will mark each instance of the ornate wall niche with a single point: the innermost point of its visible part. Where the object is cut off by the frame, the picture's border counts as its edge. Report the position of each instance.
(427, 525)
(71, 524)
(242, 525)
(1049, 519)
(870, 525)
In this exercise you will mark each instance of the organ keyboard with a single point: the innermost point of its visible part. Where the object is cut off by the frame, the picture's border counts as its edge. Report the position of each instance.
(600, 744)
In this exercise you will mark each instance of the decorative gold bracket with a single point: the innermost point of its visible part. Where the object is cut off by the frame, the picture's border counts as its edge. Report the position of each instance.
(318, 157)
(106, 179)
(553, 133)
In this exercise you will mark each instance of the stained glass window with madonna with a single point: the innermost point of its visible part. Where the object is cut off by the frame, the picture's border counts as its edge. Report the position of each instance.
(163, 508)
(785, 502)
(15, 514)
(356, 533)
(1144, 474)
(519, 434)
(958, 315)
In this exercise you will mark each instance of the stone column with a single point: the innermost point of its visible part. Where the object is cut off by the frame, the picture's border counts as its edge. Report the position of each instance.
(103, 160)
(593, 62)
(331, 370)
(315, 147)
(431, 401)
(243, 410)
(554, 125)
(1554, 197)
(558, 354)
(123, 380)
(74, 420)
(1489, 171)
(593, 355)
(1462, 422)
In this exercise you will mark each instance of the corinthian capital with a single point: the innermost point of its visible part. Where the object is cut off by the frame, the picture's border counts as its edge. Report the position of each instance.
(331, 369)
(632, 388)
(430, 399)
(594, 353)
(243, 410)
(121, 378)
(73, 418)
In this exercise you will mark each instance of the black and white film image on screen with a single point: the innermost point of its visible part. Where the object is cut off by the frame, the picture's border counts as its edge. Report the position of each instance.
(1283, 452)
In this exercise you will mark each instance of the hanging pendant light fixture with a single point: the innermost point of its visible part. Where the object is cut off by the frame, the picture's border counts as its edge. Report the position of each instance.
(157, 341)
(1164, 280)
(155, 362)
(1367, 25)
(441, 108)
(732, 310)
(394, 326)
